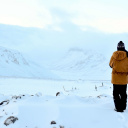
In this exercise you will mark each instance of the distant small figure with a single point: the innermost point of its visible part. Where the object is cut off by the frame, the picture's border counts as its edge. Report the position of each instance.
(119, 65)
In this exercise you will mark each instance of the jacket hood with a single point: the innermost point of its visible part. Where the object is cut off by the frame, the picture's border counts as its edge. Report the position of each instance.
(119, 55)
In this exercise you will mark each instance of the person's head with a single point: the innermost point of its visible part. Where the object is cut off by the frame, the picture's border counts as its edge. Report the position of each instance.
(120, 46)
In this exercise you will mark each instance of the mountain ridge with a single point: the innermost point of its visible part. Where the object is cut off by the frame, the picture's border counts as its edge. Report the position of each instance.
(14, 64)
(83, 64)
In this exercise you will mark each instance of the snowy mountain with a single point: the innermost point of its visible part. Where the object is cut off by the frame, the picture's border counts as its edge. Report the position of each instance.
(82, 64)
(14, 64)
(51, 44)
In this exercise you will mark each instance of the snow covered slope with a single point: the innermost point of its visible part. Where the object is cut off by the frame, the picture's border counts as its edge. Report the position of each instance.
(82, 64)
(13, 64)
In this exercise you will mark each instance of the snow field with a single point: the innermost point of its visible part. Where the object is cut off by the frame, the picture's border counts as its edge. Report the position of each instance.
(17, 86)
(80, 104)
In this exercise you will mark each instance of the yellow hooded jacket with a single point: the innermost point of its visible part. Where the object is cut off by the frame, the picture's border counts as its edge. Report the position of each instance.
(119, 65)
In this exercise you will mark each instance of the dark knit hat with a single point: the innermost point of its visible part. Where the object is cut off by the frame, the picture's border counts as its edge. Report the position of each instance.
(120, 45)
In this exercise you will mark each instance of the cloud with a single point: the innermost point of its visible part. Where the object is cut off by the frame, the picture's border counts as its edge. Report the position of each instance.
(105, 25)
(24, 13)
(106, 16)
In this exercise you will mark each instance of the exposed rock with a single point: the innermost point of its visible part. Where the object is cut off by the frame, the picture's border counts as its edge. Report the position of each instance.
(39, 94)
(4, 102)
(16, 97)
(61, 126)
(58, 93)
(53, 122)
(99, 96)
(10, 120)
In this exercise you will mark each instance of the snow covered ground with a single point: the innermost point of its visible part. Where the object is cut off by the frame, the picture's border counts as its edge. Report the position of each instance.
(77, 93)
(80, 104)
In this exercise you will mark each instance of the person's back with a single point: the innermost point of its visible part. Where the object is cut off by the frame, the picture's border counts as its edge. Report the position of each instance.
(119, 65)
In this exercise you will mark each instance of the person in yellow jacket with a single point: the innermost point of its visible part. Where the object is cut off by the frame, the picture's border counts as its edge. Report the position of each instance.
(119, 65)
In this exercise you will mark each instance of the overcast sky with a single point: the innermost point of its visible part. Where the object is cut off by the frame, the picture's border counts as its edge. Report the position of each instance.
(110, 16)
(87, 23)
